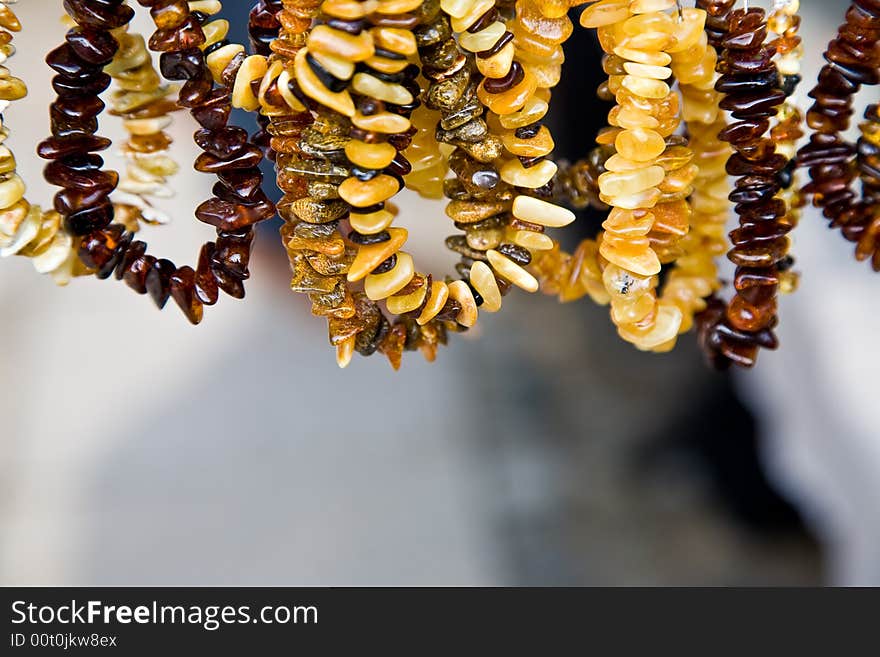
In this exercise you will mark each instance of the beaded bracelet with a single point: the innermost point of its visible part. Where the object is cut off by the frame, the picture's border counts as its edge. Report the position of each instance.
(39, 235)
(750, 84)
(84, 199)
(853, 59)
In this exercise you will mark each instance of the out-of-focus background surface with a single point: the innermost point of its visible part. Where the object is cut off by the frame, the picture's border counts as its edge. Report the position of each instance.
(136, 449)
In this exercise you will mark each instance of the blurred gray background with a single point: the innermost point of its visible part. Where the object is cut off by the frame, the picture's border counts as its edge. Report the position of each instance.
(137, 449)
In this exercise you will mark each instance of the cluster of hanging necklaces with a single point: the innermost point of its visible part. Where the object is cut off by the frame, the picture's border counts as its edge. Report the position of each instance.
(356, 100)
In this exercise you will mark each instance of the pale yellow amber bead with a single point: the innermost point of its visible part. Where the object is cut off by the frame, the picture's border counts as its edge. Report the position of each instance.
(624, 183)
(509, 270)
(646, 87)
(372, 222)
(605, 12)
(647, 71)
(484, 39)
(483, 281)
(498, 64)
(405, 303)
(639, 144)
(382, 286)
(514, 173)
(538, 211)
(372, 87)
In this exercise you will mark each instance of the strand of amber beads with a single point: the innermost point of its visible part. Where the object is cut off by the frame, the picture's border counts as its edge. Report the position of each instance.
(25, 229)
(41, 236)
(750, 84)
(694, 276)
(238, 202)
(315, 153)
(650, 175)
(853, 59)
(142, 101)
(510, 199)
(783, 23)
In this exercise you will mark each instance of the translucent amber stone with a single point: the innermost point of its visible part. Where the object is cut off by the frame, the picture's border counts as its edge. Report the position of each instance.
(605, 12)
(631, 253)
(370, 156)
(354, 48)
(370, 256)
(511, 271)
(382, 286)
(639, 144)
(514, 173)
(612, 183)
(483, 281)
(437, 297)
(511, 100)
(364, 193)
(646, 87)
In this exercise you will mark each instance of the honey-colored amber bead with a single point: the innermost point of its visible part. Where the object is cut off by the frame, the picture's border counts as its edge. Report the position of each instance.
(370, 256)
(662, 329)
(629, 222)
(364, 193)
(384, 122)
(312, 87)
(370, 156)
(372, 87)
(647, 70)
(533, 110)
(617, 183)
(405, 303)
(354, 48)
(645, 87)
(382, 286)
(639, 144)
(337, 66)
(605, 12)
(11, 191)
(437, 297)
(530, 240)
(498, 64)
(474, 10)
(372, 222)
(537, 146)
(514, 173)
(644, 199)
(396, 40)
(252, 68)
(484, 39)
(688, 30)
(510, 100)
(673, 218)
(631, 253)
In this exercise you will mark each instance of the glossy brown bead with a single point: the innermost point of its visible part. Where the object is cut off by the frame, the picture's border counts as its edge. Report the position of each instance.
(182, 287)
